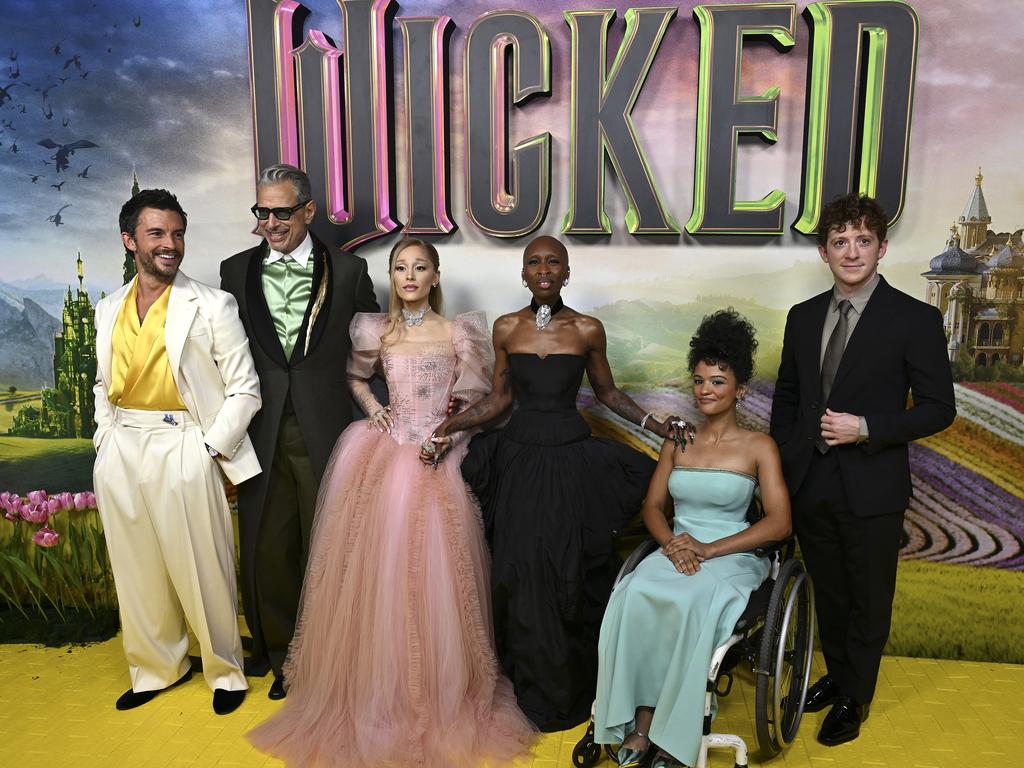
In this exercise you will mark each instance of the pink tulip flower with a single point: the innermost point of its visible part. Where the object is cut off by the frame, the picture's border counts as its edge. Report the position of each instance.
(35, 513)
(67, 500)
(52, 506)
(36, 497)
(84, 500)
(46, 537)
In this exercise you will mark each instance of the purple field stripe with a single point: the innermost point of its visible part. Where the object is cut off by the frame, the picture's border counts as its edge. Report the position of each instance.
(969, 489)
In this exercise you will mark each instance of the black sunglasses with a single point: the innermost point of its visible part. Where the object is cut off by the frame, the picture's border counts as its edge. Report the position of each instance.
(281, 214)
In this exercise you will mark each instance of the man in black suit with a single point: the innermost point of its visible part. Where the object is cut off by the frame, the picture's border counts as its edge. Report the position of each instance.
(296, 299)
(840, 416)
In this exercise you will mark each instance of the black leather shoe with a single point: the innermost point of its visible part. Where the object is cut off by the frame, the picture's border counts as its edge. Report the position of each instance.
(130, 699)
(276, 689)
(842, 723)
(225, 702)
(822, 694)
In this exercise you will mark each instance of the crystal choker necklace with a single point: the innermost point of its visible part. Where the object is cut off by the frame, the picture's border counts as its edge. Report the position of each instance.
(545, 312)
(414, 318)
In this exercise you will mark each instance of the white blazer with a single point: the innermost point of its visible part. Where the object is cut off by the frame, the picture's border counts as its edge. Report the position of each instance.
(211, 365)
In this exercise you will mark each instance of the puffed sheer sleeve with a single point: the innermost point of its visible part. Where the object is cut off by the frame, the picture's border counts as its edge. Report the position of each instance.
(364, 359)
(474, 358)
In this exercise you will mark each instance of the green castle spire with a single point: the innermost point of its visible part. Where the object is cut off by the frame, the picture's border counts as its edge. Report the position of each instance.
(129, 260)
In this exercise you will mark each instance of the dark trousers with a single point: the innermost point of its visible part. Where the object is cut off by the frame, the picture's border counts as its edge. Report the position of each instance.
(282, 546)
(852, 562)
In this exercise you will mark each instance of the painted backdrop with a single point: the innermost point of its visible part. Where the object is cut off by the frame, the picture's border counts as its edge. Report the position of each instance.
(96, 97)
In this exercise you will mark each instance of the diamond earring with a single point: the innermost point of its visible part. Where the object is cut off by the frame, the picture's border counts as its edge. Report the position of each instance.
(525, 284)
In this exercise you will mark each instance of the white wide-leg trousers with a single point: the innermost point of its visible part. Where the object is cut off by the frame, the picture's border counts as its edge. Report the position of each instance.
(168, 530)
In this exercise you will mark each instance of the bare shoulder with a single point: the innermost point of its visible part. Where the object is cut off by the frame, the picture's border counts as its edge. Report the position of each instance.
(589, 326)
(761, 445)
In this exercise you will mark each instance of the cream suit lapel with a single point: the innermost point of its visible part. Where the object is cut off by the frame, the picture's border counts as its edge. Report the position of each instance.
(181, 311)
(105, 330)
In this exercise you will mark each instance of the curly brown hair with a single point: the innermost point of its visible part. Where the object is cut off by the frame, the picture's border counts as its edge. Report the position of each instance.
(855, 208)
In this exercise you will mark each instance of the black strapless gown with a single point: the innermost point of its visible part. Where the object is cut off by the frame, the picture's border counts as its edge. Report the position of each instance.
(550, 495)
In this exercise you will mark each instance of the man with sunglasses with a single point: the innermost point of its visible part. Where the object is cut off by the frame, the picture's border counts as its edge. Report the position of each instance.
(296, 298)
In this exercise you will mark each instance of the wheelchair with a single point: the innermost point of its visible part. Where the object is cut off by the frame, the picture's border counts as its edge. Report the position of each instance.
(775, 635)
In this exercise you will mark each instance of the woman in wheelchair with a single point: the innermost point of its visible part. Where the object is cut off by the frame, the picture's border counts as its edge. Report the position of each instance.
(665, 619)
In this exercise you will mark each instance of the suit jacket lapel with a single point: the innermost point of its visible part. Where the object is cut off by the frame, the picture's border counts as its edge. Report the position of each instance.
(105, 331)
(181, 311)
(321, 271)
(259, 313)
(870, 326)
(811, 352)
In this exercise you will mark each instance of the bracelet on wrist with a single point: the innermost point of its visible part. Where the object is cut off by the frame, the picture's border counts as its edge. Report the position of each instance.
(643, 421)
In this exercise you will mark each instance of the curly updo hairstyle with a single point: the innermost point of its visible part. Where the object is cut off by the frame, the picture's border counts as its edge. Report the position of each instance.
(725, 337)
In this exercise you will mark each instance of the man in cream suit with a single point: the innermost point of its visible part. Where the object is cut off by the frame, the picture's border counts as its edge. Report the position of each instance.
(175, 391)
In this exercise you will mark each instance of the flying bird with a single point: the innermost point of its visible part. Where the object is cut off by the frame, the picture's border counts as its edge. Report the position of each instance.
(34, 177)
(137, 21)
(56, 49)
(63, 79)
(85, 172)
(64, 151)
(58, 186)
(48, 112)
(4, 95)
(46, 91)
(7, 124)
(14, 148)
(85, 74)
(56, 218)
(65, 122)
(76, 60)
(14, 72)
(22, 109)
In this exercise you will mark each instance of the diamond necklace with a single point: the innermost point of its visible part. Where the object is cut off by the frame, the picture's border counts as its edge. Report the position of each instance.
(544, 312)
(414, 318)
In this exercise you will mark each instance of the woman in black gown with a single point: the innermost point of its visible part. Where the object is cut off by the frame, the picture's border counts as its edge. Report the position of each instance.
(550, 493)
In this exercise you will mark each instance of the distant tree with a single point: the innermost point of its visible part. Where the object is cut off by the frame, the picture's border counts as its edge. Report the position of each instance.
(11, 390)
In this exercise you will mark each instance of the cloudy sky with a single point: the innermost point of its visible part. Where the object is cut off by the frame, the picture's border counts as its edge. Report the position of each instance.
(169, 97)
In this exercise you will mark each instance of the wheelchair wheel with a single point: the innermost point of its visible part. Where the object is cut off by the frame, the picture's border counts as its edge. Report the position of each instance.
(587, 752)
(784, 659)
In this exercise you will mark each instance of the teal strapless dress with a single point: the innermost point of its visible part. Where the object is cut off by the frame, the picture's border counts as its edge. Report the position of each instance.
(662, 627)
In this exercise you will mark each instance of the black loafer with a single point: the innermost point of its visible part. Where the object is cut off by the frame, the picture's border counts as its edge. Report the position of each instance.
(276, 689)
(823, 693)
(226, 702)
(130, 699)
(842, 723)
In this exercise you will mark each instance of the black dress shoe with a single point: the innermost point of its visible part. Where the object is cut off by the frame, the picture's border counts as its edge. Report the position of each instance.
(130, 699)
(842, 723)
(276, 689)
(822, 694)
(225, 702)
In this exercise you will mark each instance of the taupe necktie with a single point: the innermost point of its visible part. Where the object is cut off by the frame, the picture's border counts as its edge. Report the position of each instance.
(830, 364)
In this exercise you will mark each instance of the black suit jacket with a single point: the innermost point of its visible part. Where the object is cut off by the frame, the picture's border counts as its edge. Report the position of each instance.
(898, 346)
(314, 380)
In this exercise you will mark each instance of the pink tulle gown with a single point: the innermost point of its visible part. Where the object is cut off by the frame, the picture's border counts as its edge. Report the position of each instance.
(393, 661)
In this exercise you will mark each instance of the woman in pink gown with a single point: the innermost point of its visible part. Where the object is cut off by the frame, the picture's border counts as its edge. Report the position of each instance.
(392, 663)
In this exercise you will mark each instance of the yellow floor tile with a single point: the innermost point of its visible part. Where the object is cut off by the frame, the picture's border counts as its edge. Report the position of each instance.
(57, 709)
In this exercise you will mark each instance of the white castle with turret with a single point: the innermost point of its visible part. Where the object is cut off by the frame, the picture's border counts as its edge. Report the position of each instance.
(978, 285)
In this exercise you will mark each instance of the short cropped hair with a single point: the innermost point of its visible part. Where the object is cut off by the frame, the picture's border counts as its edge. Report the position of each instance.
(855, 208)
(275, 174)
(725, 338)
(160, 199)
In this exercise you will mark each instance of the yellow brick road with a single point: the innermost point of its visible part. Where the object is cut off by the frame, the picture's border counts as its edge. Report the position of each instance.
(57, 709)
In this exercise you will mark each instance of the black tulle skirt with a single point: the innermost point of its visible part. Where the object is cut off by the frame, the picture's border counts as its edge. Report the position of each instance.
(551, 495)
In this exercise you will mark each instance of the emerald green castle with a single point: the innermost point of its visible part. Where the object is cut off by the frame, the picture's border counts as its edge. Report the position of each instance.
(68, 408)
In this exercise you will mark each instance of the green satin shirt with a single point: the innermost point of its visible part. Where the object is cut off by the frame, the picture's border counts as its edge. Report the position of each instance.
(287, 287)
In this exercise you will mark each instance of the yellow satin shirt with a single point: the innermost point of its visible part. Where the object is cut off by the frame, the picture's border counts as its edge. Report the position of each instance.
(140, 376)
